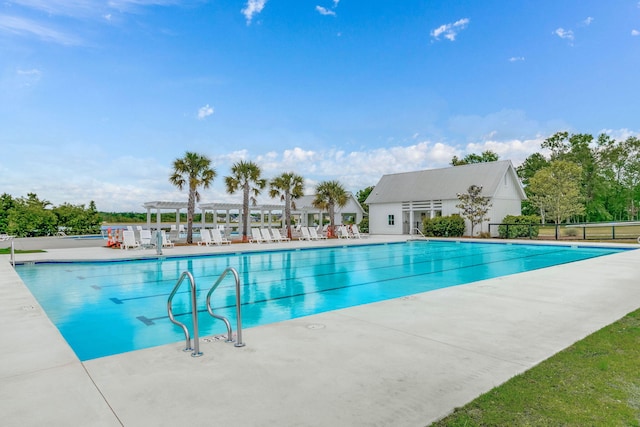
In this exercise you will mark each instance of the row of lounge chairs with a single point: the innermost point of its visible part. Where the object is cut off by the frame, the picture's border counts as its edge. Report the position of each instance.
(146, 240)
(265, 235)
(342, 231)
(310, 233)
(210, 237)
(349, 233)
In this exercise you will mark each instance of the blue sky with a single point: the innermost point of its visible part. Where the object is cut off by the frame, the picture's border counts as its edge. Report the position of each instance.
(97, 98)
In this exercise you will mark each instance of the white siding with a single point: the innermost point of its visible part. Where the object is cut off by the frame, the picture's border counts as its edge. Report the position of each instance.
(415, 189)
(379, 218)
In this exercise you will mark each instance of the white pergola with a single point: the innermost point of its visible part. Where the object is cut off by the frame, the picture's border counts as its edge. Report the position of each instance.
(160, 206)
(237, 207)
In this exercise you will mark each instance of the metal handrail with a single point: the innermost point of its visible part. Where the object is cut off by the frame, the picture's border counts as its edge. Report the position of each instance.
(13, 254)
(239, 342)
(194, 313)
(420, 232)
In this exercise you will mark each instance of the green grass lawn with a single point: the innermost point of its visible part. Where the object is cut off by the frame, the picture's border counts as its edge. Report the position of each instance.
(593, 232)
(595, 382)
(7, 251)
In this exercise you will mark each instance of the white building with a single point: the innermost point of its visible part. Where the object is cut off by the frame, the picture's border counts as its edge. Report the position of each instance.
(309, 215)
(399, 201)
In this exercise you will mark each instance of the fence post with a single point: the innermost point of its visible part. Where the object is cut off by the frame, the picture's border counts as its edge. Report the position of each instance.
(557, 231)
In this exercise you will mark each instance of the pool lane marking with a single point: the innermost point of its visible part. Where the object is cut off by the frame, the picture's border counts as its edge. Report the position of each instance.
(455, 267)
(122, 300)
(400, 264)
(150, 321)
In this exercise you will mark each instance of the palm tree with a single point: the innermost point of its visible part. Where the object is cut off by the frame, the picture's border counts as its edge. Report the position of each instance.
(330, 194)
(288, 187)
(244, 174)
(192, 170)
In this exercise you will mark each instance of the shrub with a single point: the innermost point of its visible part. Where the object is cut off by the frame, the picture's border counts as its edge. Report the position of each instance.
(517, 230)
(443, 226)
(363, 227)
(570, 232)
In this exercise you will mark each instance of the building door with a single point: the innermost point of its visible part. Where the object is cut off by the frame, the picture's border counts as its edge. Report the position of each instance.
(406, 224)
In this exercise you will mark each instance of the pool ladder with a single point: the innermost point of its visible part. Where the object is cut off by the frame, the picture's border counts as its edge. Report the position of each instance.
(194, 311)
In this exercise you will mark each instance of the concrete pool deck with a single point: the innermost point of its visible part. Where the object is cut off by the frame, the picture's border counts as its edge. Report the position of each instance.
(402, 362)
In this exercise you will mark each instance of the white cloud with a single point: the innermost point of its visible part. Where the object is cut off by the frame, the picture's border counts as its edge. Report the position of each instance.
(516, 58)
(516, 150)
(252, 8)
(205, 111)
(335, 3)
(620, 134)
(588, 21)
(87, 172)
(564, 34)
(450, 31)
(88, 8)
(635, 32)
(28, 77)
(324, 11)
(25, 27)
(95, 10)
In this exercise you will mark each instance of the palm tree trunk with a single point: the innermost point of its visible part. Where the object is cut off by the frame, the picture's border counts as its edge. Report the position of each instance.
(332, 221)
(190, 208)
(245, 213)
(287, 213)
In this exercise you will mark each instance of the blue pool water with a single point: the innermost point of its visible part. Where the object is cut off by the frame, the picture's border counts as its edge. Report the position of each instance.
(105, 308)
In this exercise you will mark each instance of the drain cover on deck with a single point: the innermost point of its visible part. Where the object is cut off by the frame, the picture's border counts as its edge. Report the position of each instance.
(315, 326)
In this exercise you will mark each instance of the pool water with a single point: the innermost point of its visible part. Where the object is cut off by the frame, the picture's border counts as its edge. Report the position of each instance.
(106, 308)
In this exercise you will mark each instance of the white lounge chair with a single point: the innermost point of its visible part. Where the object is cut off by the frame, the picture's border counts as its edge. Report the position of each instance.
(129, 240)
(305, 233)
(314, 234)
(256, 236)
(166, 243)
(5, 237)
(356, 232)
(218, 238)
(145, 238)
(278, 237)
(205, 237)
(266, 235)
(343, 233)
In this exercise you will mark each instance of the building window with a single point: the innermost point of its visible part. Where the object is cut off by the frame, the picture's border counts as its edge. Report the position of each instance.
(392, 220)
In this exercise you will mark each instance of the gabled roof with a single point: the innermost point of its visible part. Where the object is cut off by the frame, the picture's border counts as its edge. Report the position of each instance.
(305, 203)
(442, 184)
(165, 205)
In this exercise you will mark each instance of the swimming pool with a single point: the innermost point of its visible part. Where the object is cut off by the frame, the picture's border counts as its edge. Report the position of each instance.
(106, 308)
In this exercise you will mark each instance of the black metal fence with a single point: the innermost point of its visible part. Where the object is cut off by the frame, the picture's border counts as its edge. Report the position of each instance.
(584, 231)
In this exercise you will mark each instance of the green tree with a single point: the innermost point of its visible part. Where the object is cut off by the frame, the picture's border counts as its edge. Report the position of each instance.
(526, 171)
(530, 166)
(474, 206)
(581, 149)
(31, 216)
(361, 196)
(77, 219)
(6, 204)
(486, 156)
(620, 167)
(330, 194)
(288, 187)
(246, 177)
(192, 171)
(557, 191)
